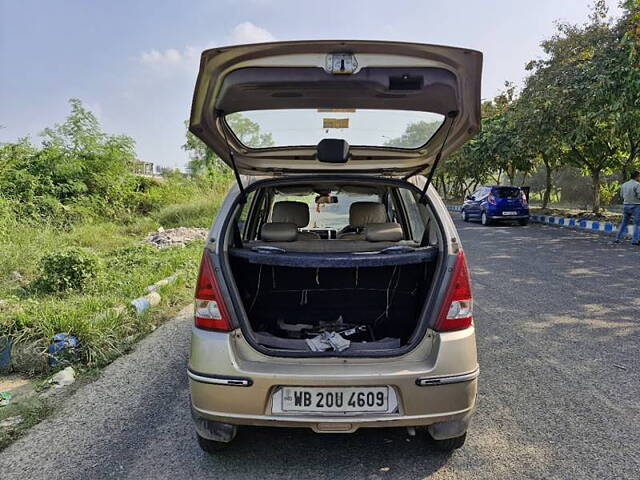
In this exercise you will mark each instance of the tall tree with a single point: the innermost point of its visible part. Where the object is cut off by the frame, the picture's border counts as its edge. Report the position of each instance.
(203, 159)
(576, 73)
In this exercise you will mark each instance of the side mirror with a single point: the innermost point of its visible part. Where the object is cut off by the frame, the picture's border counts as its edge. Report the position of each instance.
(470, 197)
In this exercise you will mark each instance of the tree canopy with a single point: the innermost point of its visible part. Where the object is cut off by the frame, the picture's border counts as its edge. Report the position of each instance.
(203, 159)
(578, 107)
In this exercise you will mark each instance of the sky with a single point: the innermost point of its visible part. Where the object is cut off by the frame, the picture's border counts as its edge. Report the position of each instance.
(134, 63)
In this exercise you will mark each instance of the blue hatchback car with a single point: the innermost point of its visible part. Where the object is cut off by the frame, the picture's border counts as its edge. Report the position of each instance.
(496, 203)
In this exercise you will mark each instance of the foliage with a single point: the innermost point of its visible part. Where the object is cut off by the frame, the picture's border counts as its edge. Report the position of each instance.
(70, 269)
(79, 171)
(72, 217)
(579, 107)
(204, 160)
(415, 134)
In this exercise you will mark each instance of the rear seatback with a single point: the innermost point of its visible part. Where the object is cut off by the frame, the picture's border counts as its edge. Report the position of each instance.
(285, 235)
(296, 213)
(362, 214)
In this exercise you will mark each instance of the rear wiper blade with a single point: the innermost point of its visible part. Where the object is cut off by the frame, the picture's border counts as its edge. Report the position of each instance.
(398, 249)
(268, 249)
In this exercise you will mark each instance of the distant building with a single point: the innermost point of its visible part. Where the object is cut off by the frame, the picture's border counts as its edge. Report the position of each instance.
(142, 168)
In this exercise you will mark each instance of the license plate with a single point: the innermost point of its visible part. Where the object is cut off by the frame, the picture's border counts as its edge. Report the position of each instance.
(509, 213)
(334, 399)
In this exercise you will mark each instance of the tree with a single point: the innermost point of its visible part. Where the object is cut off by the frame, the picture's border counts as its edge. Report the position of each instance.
(621, 85)
(577, 79)
(537, 119)
(416, 134)
(203, 159)
(77, 164)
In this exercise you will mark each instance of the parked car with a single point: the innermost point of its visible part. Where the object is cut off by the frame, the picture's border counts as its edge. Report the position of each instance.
(496, 203)
(333, 291)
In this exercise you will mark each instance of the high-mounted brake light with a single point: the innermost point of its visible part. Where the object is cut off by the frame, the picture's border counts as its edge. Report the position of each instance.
(457, 309)
(491, 199)
(210, 310)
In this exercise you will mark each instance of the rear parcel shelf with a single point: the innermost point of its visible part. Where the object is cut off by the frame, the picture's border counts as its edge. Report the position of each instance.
(378, 258)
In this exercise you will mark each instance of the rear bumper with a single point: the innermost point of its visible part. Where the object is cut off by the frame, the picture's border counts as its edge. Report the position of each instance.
(436, 385)
(322, 424)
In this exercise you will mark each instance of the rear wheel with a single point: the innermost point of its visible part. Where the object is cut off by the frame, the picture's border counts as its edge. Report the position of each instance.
(465, 217)
(484, 219)
(450, 444)
(524, 221)
(212, 446)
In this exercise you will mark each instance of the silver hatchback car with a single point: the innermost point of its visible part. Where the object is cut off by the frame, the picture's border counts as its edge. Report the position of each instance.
(333, 291)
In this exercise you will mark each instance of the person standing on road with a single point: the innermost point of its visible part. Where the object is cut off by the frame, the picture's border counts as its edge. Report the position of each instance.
(630, 192)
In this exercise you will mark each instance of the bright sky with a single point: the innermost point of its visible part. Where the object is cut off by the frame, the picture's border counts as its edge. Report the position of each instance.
(134, 63)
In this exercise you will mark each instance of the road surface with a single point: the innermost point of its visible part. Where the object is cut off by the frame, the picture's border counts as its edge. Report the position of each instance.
(559, 345)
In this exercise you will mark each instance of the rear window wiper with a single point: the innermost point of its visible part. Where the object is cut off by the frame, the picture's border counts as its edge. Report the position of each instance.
(268, 249)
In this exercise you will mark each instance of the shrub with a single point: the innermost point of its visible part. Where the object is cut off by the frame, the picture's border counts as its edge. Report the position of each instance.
(198, 213)
(71, 269)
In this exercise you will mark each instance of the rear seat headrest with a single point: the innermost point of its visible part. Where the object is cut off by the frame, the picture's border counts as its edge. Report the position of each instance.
(383, 232)
(291, 212)
(363, 213)
(279, 232)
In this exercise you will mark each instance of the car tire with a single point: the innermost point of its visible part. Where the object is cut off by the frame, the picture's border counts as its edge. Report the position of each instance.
(524, 222)
(212, 446)
(484, 219)
(465, 217)
(450, 444)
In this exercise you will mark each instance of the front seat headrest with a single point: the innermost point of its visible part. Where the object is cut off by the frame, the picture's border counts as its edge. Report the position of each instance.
(279, 232)
(383, 232)
(291, 212)
(363, 213)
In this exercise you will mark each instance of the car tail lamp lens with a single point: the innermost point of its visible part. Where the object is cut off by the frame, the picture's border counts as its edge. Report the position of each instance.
(523, 198)
(457, 310)
(491, 199)
(210, 310)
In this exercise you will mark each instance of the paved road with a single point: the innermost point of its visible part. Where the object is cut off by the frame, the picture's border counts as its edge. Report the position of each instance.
(557, 318)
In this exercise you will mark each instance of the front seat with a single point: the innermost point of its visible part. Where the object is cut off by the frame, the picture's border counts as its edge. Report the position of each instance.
(293, 212)
(362, 214)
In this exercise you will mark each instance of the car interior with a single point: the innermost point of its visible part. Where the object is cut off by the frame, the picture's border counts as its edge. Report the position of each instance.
(309, 259)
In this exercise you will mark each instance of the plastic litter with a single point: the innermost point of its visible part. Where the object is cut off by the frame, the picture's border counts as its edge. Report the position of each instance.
(5, 398)
(64, 377)
(6, 343)
(63, 349)
(328, 341)
(162, 283)
(143, 303)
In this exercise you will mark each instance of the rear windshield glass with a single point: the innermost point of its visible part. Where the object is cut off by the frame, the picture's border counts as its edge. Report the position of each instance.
(332, 216)
(306, 127)
(506, 192)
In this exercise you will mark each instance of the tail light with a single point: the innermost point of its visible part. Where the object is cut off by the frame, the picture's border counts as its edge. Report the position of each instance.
(523, 199)
(491, 199)
(457, 310)
(210, 310)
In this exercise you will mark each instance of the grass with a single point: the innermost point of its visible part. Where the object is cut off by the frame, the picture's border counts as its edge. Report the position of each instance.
(197, 213)
(126, 266)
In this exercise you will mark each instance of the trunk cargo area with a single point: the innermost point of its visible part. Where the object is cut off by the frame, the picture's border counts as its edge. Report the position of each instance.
(374, 307)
